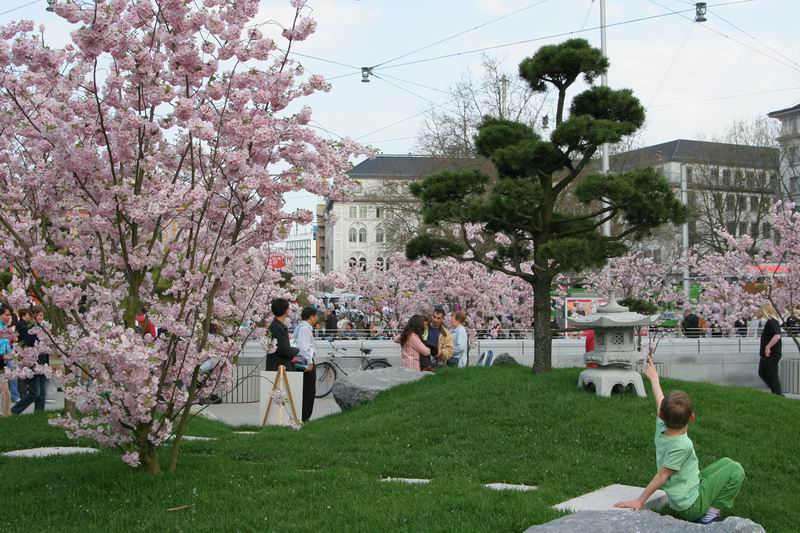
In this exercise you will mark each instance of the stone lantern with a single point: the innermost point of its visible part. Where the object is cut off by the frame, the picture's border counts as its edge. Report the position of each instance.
(615, 356)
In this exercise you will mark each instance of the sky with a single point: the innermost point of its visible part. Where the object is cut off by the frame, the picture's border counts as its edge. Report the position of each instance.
(689, 76)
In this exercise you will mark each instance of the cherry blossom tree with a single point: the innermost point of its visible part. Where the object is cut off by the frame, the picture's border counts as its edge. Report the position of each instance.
(407, 287)
(143, 168)
(737, 283)
(637, 280)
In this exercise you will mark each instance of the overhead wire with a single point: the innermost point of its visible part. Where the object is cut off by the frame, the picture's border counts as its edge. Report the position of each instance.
(556, 35)
(404, 89)
(19, 7)
(727, 97)
(393, 124)
(586, 18)
(706, 26)
(415, 83)
(672, 64)
(765, 45)
(459, 34)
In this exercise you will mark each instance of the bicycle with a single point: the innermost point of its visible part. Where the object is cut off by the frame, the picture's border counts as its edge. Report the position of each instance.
(328, 372)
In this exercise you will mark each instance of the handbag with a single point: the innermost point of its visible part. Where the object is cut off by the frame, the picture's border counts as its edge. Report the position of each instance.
(425, 362)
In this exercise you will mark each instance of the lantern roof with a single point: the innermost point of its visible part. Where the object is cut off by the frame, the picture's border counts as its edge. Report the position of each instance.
(614, 315)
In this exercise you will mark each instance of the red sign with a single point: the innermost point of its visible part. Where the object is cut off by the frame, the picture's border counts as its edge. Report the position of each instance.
(277, 262)
(771, 268)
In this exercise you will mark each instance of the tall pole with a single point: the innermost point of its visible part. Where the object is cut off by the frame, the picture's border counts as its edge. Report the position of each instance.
(685, 228)
(604, 82)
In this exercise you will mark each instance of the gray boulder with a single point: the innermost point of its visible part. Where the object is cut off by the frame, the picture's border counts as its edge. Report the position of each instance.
(621, 521)
(360, 387)
(504, 359)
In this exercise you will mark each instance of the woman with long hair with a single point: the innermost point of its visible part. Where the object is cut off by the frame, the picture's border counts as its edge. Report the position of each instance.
(770, 350)
(412, 349)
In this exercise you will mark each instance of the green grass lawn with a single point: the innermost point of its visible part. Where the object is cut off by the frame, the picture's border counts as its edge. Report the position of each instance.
(461, 428)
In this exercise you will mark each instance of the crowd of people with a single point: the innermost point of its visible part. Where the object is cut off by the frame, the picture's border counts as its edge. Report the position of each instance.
(15, 331)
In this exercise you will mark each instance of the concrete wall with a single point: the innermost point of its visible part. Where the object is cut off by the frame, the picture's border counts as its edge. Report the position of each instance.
(723, 361)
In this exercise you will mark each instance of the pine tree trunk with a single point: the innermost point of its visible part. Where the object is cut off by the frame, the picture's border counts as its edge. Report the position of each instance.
(542, 339)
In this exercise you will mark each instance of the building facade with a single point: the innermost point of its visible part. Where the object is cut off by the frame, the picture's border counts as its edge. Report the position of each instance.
(300, 248)
(789, 141)
(724, 185)
(356, 232)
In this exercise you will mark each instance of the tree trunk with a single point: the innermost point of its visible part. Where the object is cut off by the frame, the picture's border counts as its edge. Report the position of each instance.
(148, 455)
(542, 340)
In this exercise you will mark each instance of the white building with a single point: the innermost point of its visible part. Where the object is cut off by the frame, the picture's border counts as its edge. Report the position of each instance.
(355, 232)
(300, 248)
(727, 185)
(790, 148)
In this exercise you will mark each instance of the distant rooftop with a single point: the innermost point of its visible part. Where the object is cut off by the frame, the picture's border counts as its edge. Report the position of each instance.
(413, 166)
(787, 111)
(698, 152)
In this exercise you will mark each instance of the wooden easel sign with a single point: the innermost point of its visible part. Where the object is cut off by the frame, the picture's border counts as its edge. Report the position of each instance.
(281, 409)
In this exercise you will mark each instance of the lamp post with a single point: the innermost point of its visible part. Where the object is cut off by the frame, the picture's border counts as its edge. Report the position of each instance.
(604, 82)
(50, 4)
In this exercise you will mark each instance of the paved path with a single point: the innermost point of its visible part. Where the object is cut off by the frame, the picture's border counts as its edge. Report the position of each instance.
(232, 414)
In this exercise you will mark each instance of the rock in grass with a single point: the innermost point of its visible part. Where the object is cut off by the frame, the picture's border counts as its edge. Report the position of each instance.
(626, 521)
(360, 387)
(504, 359)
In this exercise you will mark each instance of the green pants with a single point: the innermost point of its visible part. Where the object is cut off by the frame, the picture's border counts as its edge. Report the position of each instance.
(719, 485)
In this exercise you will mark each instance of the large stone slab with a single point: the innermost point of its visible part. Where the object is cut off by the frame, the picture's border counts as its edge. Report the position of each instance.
(605, 498)
(627, 521)
(49, 451)
(360, 387)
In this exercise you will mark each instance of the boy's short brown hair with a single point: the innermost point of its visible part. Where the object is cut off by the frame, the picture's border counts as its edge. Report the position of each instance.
(676, 409)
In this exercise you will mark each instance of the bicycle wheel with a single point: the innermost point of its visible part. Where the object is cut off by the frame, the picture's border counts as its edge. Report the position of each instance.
(377, 363)
(326, 377)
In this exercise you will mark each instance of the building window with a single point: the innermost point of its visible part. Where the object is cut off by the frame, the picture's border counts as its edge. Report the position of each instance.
(378, 212)
(380, 263)
(379, 235)
(766, 231)
(362, 235)
(751, 179)
(352, 234)
(362, 211)
(718, 201)
(754, 230)
(726, 177)
(353, 211)
(731, 228)
(754, 203)
(362, 263)
(730, 202)
(352, 262)
(742, 229)
(794, 155)
(688, 174)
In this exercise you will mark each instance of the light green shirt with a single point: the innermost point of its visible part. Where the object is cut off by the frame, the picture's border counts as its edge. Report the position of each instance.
(677, 453)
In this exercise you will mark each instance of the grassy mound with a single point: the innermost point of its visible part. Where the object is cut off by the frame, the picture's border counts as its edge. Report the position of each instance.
(460, 428)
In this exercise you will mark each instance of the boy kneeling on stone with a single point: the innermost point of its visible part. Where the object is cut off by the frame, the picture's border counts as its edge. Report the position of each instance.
(695, 495)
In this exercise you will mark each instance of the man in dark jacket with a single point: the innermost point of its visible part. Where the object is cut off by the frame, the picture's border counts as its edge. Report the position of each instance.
(690, 324)
(37, 385)
(332, 324)
(285, 354)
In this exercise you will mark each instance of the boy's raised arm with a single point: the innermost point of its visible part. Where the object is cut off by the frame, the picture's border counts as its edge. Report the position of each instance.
(652, 374)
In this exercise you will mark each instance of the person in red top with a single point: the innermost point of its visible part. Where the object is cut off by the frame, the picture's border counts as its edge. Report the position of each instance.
(145, 324)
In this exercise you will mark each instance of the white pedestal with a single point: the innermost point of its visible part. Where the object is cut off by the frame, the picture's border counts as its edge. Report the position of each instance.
(278, 415)
(605, 379)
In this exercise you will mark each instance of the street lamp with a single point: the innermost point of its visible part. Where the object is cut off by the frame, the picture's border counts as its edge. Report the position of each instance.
(700, 12)
(365, 74)
(50, 4)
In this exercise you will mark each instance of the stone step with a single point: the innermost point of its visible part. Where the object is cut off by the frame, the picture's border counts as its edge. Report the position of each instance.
(605, 498)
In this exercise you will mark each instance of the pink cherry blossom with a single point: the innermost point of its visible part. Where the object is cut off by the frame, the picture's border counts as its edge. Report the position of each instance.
(156, 184)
